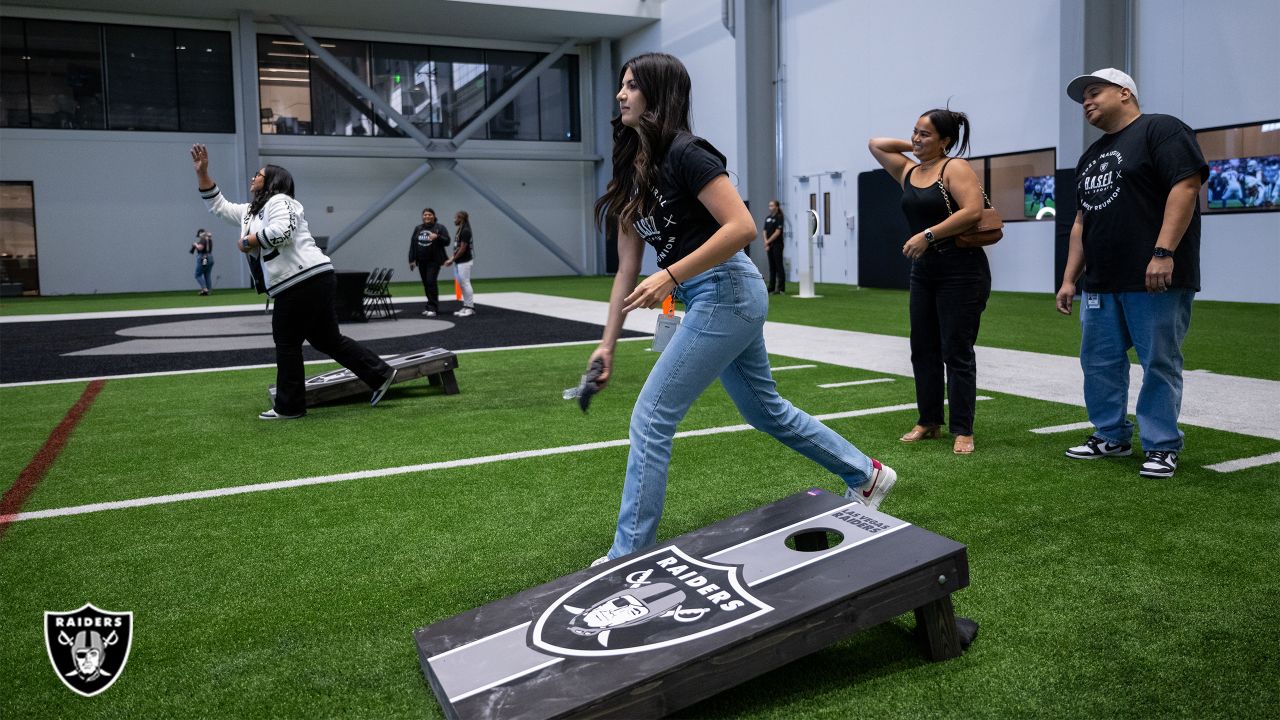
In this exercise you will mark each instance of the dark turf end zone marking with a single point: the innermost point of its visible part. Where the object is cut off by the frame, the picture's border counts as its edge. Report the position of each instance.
(16, 496)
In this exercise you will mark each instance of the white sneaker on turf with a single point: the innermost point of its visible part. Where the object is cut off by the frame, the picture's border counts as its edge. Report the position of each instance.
(1096, 447)
(273, 415)
(428, 313)
(465, 312)
(1160, 464)
(873, 491)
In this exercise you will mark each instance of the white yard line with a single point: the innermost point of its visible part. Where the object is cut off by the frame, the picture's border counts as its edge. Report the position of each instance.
(851, 383)
(792, 367)
(1245, 463)
(1055, 429)
(407, 469)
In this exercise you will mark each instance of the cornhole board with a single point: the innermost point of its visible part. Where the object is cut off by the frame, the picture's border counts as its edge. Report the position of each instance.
(658, 630)
(435, 364)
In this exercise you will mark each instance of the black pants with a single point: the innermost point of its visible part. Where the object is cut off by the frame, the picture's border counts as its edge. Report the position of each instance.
(949, 291)
(777, 273)
(306, 312)
(430, 273)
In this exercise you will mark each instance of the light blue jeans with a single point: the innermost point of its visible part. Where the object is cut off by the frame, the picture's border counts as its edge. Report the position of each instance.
(1154, 324)
(721, 336)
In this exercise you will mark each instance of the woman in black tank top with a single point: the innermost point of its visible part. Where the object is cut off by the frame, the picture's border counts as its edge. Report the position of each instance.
(949, 285)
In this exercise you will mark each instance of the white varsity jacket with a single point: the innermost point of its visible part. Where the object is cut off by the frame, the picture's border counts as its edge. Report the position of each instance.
(286, 249)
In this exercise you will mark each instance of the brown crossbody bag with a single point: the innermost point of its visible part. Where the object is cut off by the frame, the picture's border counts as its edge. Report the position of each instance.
(989, 228)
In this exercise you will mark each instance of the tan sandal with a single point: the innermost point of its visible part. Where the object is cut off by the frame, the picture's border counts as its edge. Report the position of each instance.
(920, 432)
(963, 445)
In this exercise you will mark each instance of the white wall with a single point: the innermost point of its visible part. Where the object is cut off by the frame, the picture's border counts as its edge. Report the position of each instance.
(1213, 64)
(855, 70)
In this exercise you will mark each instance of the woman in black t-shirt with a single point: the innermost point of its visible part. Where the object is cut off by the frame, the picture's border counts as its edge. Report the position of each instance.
(462, 260)
(670, 190)
(949, 285)
(773, 230)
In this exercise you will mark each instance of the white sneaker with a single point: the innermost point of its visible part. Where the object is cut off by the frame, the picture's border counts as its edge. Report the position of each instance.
(1160, 464)
(382, 389)
(1095, 447)
(273, 415)
(428, 313)
(465, 312)
(873, 491)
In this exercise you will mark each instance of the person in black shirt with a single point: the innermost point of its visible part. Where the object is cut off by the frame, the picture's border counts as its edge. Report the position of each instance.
(773, 230)
(1136, 241)
(670, 190)
(202, 248)
(949, 285)
(461, 260)
(427, 252)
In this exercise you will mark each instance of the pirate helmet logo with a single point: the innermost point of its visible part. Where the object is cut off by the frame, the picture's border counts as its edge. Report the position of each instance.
(659, 599)
(88, 647)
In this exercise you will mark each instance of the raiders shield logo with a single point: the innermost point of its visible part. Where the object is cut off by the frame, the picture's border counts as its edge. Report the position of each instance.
(88, 647)
(657, 600)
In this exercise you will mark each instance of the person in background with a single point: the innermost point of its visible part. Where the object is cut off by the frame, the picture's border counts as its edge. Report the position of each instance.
(670, 189)
(299, 277)
(428, 244)
(202, 248)
(1136, 242)
(773, 232)
(461, 261)
(949, 285)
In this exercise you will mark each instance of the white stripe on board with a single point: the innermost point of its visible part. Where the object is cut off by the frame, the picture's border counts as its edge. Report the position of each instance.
(1245, 463)
(1055, 429)
(856, 382)
(792, 367)
(406, 469)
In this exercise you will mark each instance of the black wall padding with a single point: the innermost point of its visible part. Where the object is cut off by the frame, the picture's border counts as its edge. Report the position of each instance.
(1064, 200)
(881, 232)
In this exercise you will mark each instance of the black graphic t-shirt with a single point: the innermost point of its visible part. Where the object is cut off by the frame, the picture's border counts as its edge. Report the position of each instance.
(771, 223)
(676, 223)
(1122, 183)
(423, 250)
(464, 236)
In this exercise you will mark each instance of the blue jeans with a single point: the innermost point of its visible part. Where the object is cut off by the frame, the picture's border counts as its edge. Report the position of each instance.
(1154, 324)
(204, 273)
(721, 336)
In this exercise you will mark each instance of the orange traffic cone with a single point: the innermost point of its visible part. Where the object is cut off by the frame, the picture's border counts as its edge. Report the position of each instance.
(457, 290)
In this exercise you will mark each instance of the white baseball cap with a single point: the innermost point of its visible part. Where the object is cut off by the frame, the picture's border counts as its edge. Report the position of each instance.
(1112, 76)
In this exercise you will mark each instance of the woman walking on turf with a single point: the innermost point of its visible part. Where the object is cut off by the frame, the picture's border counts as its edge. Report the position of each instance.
(670, 190)
(949, 285)
(461, 260)
(298, 277)
(202, 248)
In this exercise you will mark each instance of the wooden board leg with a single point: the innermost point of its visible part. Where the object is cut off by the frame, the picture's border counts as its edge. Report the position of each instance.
(936, 623)
(434, 380)
(450, 382)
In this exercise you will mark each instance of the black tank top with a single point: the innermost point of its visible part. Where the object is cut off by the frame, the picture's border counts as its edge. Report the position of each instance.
(925, 207)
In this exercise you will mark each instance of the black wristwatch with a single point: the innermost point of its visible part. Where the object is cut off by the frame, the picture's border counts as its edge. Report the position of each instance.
(928, 236)
(1161, 252)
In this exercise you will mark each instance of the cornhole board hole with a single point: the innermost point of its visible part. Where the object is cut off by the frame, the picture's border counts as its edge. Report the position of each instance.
(656, 631)
(435, 364)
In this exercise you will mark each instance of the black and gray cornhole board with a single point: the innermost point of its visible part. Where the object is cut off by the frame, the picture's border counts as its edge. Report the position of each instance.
(656, 631)
(435, 364)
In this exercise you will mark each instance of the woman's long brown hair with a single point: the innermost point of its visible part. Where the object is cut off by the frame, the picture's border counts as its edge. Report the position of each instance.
(638, 152)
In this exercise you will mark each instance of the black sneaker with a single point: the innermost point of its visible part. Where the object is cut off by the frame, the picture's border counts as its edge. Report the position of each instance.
(1095, 447)
(382, 390)
(1160, 464)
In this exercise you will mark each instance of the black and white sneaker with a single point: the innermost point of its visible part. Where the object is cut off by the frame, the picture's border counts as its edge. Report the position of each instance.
(382, 390)
(1095, 447)
(1160, 464)
(273, 415)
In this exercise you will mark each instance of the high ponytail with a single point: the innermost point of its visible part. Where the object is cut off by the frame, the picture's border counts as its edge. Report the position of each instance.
(952, 125)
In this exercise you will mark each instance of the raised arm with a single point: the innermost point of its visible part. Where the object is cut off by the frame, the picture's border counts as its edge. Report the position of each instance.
(891, 153)
(209, 192)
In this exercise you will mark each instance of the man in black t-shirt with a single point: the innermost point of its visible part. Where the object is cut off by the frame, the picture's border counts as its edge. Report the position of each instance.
(1136, 241)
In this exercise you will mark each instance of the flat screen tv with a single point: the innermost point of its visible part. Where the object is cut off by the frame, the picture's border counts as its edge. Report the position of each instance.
(1037, 194)
(1244, 183)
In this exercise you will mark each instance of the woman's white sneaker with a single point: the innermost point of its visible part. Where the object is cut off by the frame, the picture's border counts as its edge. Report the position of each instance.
(873, 491)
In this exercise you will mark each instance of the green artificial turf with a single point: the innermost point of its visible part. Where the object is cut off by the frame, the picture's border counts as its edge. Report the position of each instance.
(1099, 594)
(1228, 338)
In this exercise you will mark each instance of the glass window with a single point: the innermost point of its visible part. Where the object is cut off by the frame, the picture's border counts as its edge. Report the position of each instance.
(460, 79)
(335, 108)
(558, 97)
(142, 82)
(404, 76)
(1021, 185)
(65, 75)
(518, 120)
(15, 108)
(206, 101)
(18, 238)
(284, 86)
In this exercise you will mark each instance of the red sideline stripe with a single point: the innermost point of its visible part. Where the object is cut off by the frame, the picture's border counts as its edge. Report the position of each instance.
(34, 472)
